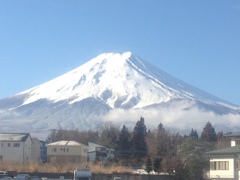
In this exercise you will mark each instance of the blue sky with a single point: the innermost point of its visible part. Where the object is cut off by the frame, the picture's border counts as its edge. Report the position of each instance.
(195, 41)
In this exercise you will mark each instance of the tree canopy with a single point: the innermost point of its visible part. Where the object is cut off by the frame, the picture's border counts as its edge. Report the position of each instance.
(208, 133)
(138, 142)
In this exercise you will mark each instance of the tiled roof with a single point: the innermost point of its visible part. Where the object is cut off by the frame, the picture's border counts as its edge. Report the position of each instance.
(14, 136)
(227, 151)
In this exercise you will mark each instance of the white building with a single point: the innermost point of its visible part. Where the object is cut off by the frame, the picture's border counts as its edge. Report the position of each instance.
(67, 151)
(36, 150)
(98, 152)
(19, 147)
(225, 163)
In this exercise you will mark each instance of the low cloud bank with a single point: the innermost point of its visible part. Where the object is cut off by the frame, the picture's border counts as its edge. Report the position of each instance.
(178, 120)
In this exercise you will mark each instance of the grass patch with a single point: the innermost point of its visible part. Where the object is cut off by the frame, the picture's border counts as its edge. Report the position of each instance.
(62, 167)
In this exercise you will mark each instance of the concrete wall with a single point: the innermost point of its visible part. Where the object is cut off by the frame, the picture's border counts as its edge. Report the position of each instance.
(69, 176)
(130, 177)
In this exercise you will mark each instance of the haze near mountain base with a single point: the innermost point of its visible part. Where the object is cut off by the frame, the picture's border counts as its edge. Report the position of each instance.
(115, 87)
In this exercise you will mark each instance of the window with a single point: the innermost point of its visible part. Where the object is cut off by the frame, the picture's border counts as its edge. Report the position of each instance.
(1, 144)
(219, 165)
(67, 149)
(9, 144)
(238, 164)
(16, 144)
(237, 141)
(54, 150)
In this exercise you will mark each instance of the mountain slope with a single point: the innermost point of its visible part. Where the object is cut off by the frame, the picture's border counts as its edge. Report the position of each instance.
(105, 87)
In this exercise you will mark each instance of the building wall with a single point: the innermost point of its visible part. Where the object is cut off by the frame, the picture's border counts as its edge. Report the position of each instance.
(231, 172)
(36, 150)
(92, 152)
(43, 151)
(66, 150)
(16, 151)
(92, 146)
(233, 142)
(92, 156)
(68, 153)
(67, 158)
(27, 150)
(11, 151)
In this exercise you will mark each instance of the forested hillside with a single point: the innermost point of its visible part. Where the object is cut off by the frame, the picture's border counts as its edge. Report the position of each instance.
(160, 149)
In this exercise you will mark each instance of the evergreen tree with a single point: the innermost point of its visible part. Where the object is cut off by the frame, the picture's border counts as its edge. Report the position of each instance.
(138, 142)
(148, 165)
(109, 135)
(222, 141)
(163, 141)
(208, 133)
(52, 137)
(123, 144)
(157, 165)
(151, 143)
(161, 128)
(194, 134)
(192, 152)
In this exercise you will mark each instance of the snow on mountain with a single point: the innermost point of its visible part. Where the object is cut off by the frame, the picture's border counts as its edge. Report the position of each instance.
(116, 79)
(111, 86)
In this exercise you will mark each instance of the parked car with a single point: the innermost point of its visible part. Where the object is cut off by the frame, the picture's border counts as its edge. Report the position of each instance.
(6, 178)
(3, 173)
(117, 178)
(22, 177)
(36, 178)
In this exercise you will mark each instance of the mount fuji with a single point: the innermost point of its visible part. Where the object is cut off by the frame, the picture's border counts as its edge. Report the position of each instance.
(117, 88)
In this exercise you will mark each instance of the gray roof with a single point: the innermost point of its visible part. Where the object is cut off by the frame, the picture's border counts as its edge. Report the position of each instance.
(236, 134)
(227, 151)
(21, 137)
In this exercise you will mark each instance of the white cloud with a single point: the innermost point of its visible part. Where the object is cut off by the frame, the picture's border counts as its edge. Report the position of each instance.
(178, 119)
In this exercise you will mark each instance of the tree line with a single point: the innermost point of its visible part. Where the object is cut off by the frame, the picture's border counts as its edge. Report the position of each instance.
(158, 149)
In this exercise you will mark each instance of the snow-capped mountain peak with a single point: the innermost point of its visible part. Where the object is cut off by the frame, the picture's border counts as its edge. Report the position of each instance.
(118, 79)
(113, 85)
(111, 77)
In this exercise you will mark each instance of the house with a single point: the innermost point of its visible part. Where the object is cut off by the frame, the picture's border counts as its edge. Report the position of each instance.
(19, 147)
(98, 152)
(225, 163)
(67, 151)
